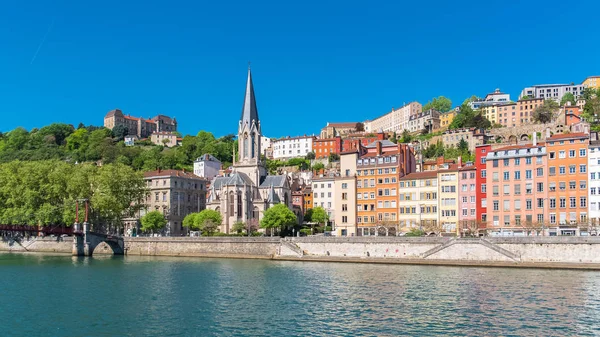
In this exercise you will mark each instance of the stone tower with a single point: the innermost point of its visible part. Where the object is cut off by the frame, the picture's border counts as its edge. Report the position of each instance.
(249, 135)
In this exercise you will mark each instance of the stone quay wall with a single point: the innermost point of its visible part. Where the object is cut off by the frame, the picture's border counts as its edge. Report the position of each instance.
(38, 244)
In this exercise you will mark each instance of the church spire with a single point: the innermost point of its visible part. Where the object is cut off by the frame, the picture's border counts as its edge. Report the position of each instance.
(249, 111)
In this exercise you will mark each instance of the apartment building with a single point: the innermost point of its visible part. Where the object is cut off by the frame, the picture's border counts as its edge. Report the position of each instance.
(418, 201)
(207, 166)
(396, 120)
(594, 179)
(175, 194)
(163, 138)
(467, 197)
(552, 91)
(346, 186)
(379, 167)
(490, 112)
(592, 82)
(326, 146)
(517, 189)
(446, 118)
(472, 136)
(481, 152)
(427, 120)
(353, 142)
(493, 98)
(338, 129)
(524, 112)
(567, 182)
(292, 147)
(448, 207)
(324, 194)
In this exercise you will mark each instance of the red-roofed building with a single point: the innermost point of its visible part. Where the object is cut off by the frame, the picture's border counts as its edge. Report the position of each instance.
(324, 147)
(352, 141)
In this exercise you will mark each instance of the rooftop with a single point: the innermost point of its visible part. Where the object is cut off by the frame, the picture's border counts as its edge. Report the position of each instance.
(568, 136)
(171, 173)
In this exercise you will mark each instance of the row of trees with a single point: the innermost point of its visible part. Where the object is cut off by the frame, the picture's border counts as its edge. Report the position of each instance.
(45, 192)
(92, 144)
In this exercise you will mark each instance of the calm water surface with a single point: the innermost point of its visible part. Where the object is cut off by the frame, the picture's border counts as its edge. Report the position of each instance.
(45, 295)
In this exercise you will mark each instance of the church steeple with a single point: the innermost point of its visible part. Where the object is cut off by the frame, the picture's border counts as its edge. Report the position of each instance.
(249, 111)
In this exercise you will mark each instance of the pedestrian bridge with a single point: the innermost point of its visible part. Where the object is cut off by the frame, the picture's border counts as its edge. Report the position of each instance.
(86, 241)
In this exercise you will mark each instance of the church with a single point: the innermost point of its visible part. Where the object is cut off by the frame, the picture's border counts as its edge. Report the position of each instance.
(248, 191)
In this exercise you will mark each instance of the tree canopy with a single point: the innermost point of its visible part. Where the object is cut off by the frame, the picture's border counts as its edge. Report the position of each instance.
(546, 112)
(319, 215)
(279, 216)
(441, 104)
(568, 97)
(468, 118)
(206, 221)
(153, 221)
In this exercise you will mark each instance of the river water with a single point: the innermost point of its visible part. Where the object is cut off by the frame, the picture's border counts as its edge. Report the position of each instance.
(42, 295)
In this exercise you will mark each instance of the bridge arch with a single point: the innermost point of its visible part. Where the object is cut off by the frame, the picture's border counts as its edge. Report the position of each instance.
(85, 243)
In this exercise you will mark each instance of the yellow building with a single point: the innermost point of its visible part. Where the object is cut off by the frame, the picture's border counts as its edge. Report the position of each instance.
(592, 82)
(446, 118)
(490, 112)
(448, 199)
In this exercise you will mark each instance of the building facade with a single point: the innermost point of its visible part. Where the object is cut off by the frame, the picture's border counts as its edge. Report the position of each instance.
(353, 142)
(207, 166)
(427, 120)
(292, 147)
(346, 197)
(552, 91)
(324, 147)
(163, 138)
(338, 129)
(594, 180)
(446, 119)
(323, 189)
(481, 153)
(396, 120)
(175, 194)
(567, 182)
(137, 126)
(473, 137)
(418, 202)
(592, 82)
(467, 198)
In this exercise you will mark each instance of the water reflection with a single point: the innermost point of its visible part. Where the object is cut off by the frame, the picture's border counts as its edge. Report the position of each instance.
(178, 296)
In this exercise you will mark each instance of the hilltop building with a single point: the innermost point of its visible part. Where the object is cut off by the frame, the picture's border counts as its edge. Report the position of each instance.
(138, 126)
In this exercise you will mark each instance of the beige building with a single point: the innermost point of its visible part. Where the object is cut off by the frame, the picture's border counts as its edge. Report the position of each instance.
(345, 198)
(427, 120)
(175, 194)
(592, 82)
(446, 118)
(332, 130)
(473, 137)
(167, 139)
(448, 199)
(418, 205)
(137, 126)
(396, 120)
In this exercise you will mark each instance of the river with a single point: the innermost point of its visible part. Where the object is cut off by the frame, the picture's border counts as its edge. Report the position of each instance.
(47, 295)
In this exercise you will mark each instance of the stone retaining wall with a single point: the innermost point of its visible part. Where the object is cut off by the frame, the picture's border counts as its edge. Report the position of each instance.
(38, 244)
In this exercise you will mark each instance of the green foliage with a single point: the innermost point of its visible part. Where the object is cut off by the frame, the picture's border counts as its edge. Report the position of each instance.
(278, 216)
(308, 215)
(568, 97)
(441, 104)
(415, 232)
(206, 221)
(334, 157)
(591, 111)
(92, 144)
(546, 112)
(526, 97)
(153, 221)
(120, 131)
(318, 166)
(45, 192)
(406, 137)
(310, 155)
(319, 215)
(306, 231)
(467, 118)
(300, 163)
(360, 127)
(238, 227)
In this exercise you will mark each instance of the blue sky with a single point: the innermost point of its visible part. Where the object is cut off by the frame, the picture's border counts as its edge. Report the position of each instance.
(312, 61)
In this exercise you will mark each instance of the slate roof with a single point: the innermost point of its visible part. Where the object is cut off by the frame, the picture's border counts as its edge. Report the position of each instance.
(273, 197)
(275, 181)
(249, 110)
(384, 142)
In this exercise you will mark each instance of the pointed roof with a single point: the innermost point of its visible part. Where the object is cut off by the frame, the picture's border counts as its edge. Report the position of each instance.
(273, 197)
(249, 111)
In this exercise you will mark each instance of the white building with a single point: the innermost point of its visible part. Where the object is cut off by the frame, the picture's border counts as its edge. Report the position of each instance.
(594, 178)
(324, 194)
(265, 144)
(285, 148)
(493, 98)
(552, 91)
(394, 121)
(207, 166)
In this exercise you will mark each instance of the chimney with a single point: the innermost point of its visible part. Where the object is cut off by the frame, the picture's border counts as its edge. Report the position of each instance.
(547, 132)
(459, 161)
(378, 148)
(440, 160)
(535, 139)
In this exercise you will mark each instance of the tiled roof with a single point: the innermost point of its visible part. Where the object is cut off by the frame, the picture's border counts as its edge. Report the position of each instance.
(420, 175)
(343, 125)
(383, 154)
(114, 112)
(520, 146)
(384, 142)
(568, 136)
(171, 173)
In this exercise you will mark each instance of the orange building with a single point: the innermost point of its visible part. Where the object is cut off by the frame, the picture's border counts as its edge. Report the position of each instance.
(308, 198)
(572, 114)
(379, 167)
(353, 141)
(567, 182)
(523, 114)
(324, 147)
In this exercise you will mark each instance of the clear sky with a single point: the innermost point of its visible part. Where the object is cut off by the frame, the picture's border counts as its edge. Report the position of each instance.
(312, 61)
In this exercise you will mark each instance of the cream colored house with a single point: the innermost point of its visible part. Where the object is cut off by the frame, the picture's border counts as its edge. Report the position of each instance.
(345, 196)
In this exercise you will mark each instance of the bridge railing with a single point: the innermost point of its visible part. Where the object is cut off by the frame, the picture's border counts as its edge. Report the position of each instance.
(57, 230)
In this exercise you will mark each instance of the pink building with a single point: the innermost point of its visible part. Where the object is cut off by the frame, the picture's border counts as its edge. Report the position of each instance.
(467, 197)
(517, 194)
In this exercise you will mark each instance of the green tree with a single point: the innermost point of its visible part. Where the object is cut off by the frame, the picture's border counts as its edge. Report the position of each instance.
(278, 217)
(568, 97)
(208, 221)
(526, 97)
(360, 127)
(468, 118)
(238, 227)
(463, 145)
(441, 104)
(318, 167)
(308, 215)
(310, 155)
(406, 137)
(333, 157)
(153, 221)
(320, 216)
(546, 112)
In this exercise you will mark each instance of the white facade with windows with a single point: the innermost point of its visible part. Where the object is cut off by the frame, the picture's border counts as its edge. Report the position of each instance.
(207, 166)
(552, 91)
(324, 195)
(594, 181)
(285, 148)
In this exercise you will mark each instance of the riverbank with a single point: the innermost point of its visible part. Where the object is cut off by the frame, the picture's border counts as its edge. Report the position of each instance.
(524, 252)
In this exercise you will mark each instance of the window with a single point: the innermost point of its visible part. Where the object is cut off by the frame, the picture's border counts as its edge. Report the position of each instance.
(495, 190)
(572, 185)
(517, 175)
(552, 170)
(528, 174)
(593, 176)
(562, 186)
(345, 196)
(562, 154)
(562, 202)
(593, 191)
(572, 202)
(506, 175)
(561, 170)
(517, 189)
(540, 202)
(572, 169)
(345, 219)
(552, 155)
(517, 204)
(496, 205)
(571, 153)
(540, 187)
(505, 162)
(517, 161)
(528, 204)
(495, 176)
(495, 163)
(344, 186)
(528, 161)
(540, 172)
(582, 152)
(552, 187)
(583, 202)
(483, 188)
(483, 173)
(528, 188)
(506, 189)
(552, 202)
(582, 168)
